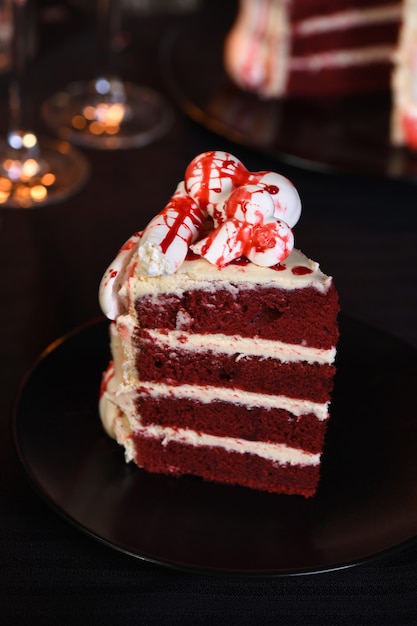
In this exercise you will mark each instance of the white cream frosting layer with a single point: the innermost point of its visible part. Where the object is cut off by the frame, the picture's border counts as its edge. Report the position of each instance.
(275, 452)
(342, 58)
(242, 347)
(124, 281)
(199, 274)
(350, 18)
(126, 395)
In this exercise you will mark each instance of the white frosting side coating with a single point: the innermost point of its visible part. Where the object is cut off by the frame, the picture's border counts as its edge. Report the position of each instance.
(111, 302)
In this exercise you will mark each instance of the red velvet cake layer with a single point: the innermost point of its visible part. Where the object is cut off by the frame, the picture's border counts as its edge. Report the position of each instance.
(344, 39)
(307, 381)
(300, 316)
(225, 419)
(219, 465)
(339, 81)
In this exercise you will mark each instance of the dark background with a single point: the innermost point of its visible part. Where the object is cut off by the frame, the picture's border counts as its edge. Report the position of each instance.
(361, 228)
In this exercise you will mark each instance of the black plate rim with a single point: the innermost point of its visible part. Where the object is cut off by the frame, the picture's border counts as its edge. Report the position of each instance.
(143, 556)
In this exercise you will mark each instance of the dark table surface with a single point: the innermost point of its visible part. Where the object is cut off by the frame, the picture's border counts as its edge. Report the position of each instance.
(362, 229)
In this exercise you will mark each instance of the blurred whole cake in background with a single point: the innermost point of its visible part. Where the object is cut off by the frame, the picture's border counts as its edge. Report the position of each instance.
(313, 48)
(404, 114)
(223, 336)
(316, 49)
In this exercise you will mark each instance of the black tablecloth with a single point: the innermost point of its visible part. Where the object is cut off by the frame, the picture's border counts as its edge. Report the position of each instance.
(363, 231)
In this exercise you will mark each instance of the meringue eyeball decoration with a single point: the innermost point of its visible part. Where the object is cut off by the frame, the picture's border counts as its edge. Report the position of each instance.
(270, 241)
(285, 196)
(249, 203)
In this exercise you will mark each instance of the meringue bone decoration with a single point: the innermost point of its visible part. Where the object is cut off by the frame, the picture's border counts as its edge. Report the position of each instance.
(165, 241)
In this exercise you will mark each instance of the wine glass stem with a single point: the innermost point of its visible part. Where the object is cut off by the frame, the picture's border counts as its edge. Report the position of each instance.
(23, 143)
(108, 27)
(18, 62)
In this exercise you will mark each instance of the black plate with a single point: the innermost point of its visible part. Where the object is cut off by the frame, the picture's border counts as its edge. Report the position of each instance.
(350, 134)
(366, 503)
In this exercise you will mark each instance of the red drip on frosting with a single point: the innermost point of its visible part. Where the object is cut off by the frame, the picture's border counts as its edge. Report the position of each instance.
(300, 270)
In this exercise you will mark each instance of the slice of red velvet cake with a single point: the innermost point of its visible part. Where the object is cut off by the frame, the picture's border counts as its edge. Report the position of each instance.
(224, 337)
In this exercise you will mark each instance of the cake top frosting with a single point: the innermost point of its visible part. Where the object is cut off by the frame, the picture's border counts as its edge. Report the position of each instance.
(220, 212)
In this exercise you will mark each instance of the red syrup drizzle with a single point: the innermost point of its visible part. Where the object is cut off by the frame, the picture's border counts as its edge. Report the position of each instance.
(279, 267)
(227, 168)
(301, 270)
(183, 207)
(108, 375)
(254, 178)
(131, 242)
(272, 189)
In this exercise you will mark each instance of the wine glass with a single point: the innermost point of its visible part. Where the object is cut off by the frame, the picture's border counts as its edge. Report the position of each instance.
(107, 112)
(34, 171)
